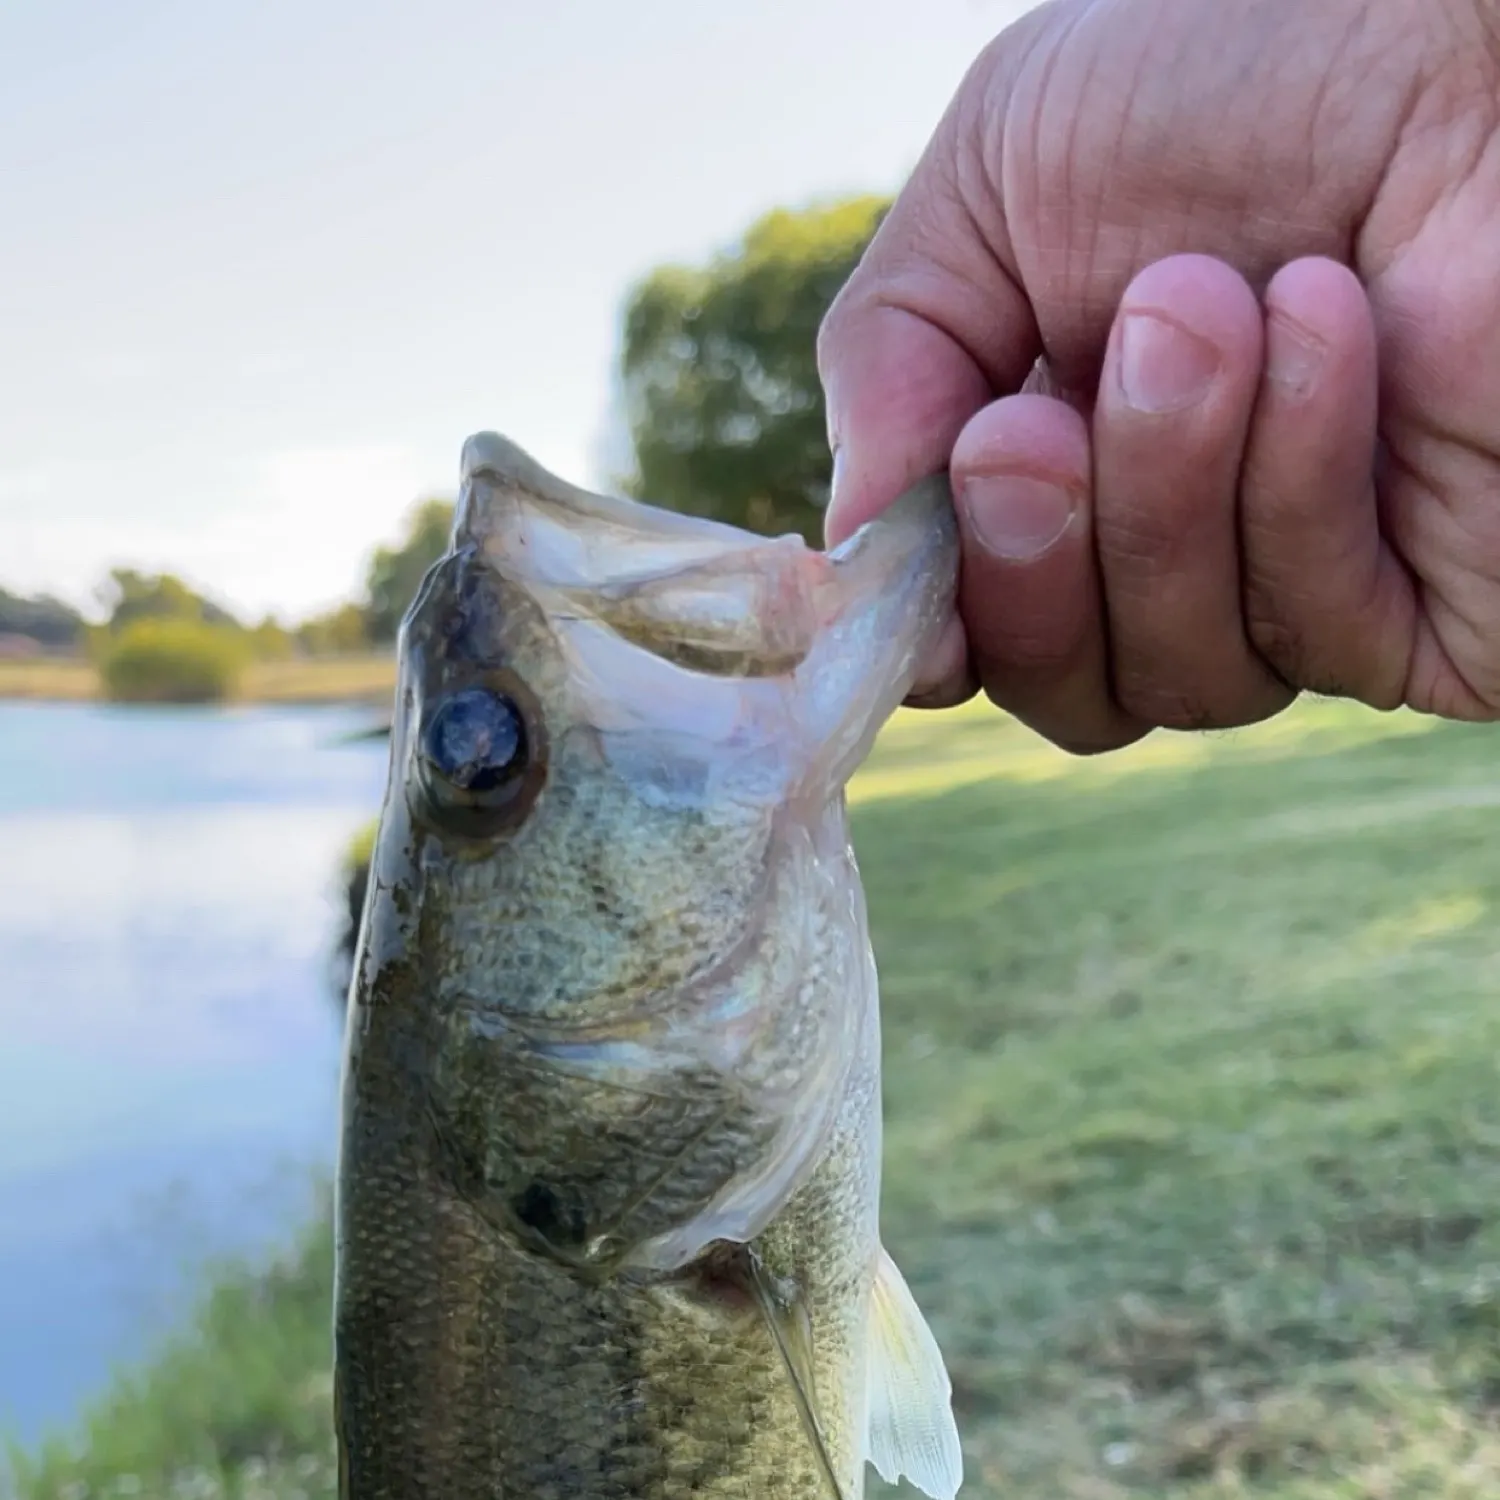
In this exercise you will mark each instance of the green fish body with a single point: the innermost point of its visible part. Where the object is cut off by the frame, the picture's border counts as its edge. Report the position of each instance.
(607, 1221)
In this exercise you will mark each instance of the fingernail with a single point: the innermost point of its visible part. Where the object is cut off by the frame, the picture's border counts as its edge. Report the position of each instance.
(837, 476)
(1163, 367)
(1017, 517)
(1294, 355)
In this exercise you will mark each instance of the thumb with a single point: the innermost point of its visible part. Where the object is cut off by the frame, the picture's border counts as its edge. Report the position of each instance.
(928, 329)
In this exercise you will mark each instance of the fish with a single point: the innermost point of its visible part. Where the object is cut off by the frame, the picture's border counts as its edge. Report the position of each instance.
(607, 1197)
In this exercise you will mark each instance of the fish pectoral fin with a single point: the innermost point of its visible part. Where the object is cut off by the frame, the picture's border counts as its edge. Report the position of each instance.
(911, 1426)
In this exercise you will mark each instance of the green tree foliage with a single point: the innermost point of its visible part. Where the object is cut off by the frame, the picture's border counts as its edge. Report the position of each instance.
(47, 621)
(129, 596)
(272, 641)
(719, 376)
(155, 659)
(339, 632)
(396, 572)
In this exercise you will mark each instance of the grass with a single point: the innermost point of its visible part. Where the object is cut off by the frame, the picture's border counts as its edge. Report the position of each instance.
(339, 679)
(1193, 1140)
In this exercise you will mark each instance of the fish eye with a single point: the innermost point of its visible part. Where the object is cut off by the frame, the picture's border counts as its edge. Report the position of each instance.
(476, 740)
(474, 755)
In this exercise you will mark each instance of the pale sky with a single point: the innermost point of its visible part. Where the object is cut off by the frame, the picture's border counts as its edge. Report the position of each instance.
(264, 264)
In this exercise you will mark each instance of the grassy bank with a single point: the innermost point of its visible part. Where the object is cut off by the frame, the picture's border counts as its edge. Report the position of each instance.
(344, 679)
(1193, 1144)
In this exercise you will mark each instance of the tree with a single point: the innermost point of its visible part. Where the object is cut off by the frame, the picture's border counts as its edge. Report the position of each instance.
(719, 376)
(339, 632)
(129, 596)
(47, 621)
(271, 640)
(173, 659)
(396, 572)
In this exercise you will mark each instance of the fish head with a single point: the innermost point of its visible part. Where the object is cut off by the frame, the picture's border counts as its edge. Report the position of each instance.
(614, 937)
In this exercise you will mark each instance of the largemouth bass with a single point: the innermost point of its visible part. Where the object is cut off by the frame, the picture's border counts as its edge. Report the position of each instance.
(607, 1222)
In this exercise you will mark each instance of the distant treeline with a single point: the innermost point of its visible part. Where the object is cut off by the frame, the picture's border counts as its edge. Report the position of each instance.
(48, 622)
(128, 597)
(717, 385)
(160, 640)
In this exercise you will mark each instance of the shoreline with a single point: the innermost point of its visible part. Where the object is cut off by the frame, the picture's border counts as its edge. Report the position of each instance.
(366, 680)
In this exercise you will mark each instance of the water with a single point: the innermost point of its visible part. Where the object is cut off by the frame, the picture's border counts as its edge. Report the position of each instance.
(169, 1038)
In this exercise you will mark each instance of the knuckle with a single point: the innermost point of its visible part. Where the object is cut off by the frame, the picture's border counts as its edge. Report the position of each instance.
(1083, 730)
(1089, 747)
(1281, 643)
(1029, 653)
(1236, 699)
(1145, 541)
(1142, 697)
(1354, 646)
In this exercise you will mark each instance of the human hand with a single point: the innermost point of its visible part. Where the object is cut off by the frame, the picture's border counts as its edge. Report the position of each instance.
(1157, 270)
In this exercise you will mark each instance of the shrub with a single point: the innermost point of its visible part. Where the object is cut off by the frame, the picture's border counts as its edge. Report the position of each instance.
(156, 660)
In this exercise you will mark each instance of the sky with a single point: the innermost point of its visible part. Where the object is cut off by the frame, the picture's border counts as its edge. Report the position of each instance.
(264, 264)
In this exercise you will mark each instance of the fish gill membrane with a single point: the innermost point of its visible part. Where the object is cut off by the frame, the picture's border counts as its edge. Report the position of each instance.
(609, 1168)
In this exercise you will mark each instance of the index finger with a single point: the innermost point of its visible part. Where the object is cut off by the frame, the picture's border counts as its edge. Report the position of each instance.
(928, 329)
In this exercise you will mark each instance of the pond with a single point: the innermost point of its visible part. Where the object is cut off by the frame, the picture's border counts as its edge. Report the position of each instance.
(169, 1026)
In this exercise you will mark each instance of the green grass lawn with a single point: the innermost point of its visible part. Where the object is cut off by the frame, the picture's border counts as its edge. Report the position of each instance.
(1193, 1142)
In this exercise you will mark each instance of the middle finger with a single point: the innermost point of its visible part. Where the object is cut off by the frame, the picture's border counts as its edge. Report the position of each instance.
(1170, 424)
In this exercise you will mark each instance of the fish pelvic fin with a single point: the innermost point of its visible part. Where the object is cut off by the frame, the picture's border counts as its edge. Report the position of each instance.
(787, 1319)
(911, 1428)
